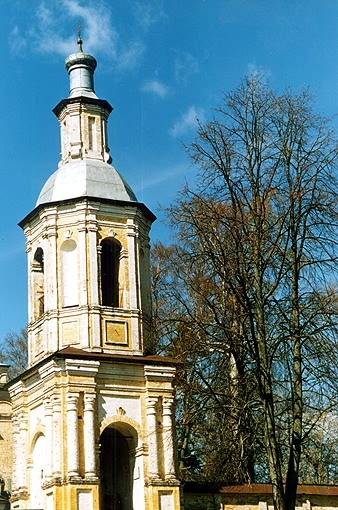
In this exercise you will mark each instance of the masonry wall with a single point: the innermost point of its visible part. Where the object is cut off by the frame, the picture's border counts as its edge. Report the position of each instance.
(326, 498)
(6, 450)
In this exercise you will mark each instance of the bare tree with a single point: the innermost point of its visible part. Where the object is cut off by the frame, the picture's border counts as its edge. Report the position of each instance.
(218, 427)
(14, 351)
(262, 225)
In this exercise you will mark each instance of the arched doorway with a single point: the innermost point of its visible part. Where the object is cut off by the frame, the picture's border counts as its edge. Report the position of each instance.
(117, 461)
(37, 472)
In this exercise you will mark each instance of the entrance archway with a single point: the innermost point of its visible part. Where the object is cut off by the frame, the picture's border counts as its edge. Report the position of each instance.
(37, 472)
(117, 461)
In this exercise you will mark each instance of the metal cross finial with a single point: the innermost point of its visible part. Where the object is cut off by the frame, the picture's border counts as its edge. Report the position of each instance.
(79, 40)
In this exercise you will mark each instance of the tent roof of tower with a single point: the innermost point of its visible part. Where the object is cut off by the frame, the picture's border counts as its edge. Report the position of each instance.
(85, 177)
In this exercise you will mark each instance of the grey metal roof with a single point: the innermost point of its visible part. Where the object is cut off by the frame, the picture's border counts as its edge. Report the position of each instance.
(85, 177)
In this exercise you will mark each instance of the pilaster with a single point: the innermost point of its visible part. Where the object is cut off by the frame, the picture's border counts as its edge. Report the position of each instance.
(72, 435)
(89, 435)
(154, 472)
(49, 439)
(167, 436)
(57, 442)
(22, 472)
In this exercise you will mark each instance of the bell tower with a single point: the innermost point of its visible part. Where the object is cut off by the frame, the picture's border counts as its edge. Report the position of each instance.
(92, 415)
(87, 238)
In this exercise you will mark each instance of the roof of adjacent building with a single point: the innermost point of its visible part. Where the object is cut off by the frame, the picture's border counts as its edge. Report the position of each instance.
(258, 488)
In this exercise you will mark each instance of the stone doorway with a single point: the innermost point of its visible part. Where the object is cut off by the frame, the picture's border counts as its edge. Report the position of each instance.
(117, 461)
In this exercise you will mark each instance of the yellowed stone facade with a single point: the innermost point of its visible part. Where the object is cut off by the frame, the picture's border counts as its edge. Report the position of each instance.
(92, 415)
(6, 432)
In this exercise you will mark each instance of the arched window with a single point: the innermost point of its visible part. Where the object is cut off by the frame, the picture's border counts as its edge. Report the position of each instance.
(38, 283)
(110, 262)
(38, 257)
(69, 273)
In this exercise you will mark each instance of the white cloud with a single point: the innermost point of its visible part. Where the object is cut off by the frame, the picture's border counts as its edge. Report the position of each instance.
(129, 56)
(254, 70)
(46, 34)
(16, 43)
(156, 87)
(188, 121)
(160, 176)
(186, 65)
(100, 36)
(148, 12)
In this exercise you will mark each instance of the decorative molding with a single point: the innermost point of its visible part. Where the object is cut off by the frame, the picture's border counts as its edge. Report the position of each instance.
(120, 411)
(111, 232)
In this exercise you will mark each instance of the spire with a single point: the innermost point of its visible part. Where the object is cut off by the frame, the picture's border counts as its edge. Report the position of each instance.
(81, 67)
(79, 40)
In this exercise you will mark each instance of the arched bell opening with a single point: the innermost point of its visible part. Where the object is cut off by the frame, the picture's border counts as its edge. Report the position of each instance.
(38, 283)
(117, 464)
(110, 267)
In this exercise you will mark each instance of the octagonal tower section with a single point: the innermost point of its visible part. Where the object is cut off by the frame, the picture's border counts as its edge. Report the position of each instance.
(87, 239)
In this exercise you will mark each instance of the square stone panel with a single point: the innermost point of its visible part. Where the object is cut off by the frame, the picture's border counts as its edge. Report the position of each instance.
(70, 332)
(116, 332)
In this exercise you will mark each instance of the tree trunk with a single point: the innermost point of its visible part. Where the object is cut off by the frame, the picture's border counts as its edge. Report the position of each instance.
(297, 401)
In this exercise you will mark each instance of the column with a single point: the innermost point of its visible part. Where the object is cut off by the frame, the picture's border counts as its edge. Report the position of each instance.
(16, 453)
(152, 438)
(133, 300)
(93, 261)
(89, 434)
(21, 473)
(83, 294)
(82, 263)
(50, 285)
(56, 403)
(93, 283)
(49, 438)
(167, 436)
(50, 274)
(72, 434)
(98, 254)
(30, 283)
(133, 290)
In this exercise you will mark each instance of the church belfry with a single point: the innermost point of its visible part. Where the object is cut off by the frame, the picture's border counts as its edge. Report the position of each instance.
(87, 238)
(92, 414)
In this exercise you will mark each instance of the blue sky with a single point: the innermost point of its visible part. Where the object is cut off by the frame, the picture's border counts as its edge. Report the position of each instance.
(161, 64)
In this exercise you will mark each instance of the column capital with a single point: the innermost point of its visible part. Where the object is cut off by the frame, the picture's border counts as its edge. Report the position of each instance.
(92, 226)
(56, 403)
(89, 401)
(15, 417)
(167, 402)
(72, 399)
(48, 405)
(51, 231)
(151, 405)
(23, 421)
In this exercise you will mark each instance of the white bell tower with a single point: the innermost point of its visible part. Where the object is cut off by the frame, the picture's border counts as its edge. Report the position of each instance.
(87, 239)
(92, 414)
